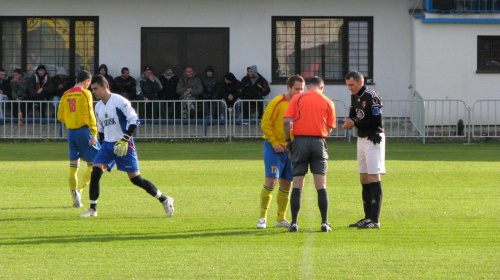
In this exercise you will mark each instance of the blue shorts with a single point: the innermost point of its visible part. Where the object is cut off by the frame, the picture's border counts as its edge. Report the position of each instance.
(128, 163)
(277, 165)
(78, 140)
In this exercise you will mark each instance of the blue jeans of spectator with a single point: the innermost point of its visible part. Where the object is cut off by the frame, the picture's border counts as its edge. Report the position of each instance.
(210, 108)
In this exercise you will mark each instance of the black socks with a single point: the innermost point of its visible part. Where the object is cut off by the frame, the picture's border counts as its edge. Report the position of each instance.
(376, 200)
(295, 199)
(149, 187)
(323, 204)
(367, 198)
(95, 187)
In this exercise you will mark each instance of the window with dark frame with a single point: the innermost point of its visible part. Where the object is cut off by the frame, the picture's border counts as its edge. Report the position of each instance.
(488, 54)
(52, 41)
(328, 47)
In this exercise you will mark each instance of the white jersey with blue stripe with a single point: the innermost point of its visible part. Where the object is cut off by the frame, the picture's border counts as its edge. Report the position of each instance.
(114, 117)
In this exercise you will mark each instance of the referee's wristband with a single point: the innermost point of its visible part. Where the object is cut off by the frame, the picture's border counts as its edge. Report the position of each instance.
(288, 140)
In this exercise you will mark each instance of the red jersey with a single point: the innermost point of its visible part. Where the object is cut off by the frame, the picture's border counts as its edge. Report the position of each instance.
(312, 114)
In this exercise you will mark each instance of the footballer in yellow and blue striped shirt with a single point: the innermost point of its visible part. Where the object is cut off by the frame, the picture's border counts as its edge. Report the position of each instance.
(76, 111)
(276, 160)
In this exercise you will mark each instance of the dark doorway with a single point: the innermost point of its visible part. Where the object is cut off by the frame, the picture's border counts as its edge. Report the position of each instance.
(181, 47)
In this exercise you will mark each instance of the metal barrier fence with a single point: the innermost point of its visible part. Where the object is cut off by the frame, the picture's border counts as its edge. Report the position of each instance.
(181, 119)
(30, 120)
(485, 119)
(415, 118)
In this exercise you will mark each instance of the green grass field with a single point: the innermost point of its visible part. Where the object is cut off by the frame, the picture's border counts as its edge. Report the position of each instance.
(440, 217)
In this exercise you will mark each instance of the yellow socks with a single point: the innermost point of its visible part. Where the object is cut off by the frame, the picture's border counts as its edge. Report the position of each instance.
(73, 175)
(265, 199)
(282, 200)
(85, 178)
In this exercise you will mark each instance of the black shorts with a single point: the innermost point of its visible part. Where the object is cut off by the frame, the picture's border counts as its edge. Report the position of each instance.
(309, 151)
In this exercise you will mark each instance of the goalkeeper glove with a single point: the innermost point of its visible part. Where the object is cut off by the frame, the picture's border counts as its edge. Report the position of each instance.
(375, 138)
(121, 147)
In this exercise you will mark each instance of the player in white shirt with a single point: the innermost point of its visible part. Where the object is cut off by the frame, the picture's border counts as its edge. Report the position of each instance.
(116, 123)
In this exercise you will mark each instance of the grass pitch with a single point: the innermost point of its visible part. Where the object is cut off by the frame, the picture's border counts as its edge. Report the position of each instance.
(439, 217)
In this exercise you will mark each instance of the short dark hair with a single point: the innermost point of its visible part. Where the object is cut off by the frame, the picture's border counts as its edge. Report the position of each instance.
(295, 78)
(358, 76)
(100, 80)
(83, 75)
(2, 70)
(18, 71)
(125, 69)
(316, 81)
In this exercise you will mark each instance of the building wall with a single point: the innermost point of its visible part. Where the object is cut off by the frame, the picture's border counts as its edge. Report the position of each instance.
(120, 23)
(446, 62)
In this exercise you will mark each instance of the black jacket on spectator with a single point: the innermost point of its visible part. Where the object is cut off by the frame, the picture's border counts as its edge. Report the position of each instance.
(254, 90)
(5, 87)
(125, 87)
(36, 82)
(211, 87)
(149, 89)
(231, 88)
(169, 87)
(66, 83)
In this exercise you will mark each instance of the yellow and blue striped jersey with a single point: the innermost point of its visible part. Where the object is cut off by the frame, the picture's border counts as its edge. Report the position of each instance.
(76, 109)
(272, 121)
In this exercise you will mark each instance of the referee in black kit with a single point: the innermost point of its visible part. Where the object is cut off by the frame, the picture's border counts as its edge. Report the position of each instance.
(365, 114)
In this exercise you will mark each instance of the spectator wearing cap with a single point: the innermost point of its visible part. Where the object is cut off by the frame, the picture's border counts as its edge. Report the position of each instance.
(40, 87)
(189, 88)
(148, 88)
(169, 82)
(103, 71)
(61, 82)
(211, 91)
(125, 85)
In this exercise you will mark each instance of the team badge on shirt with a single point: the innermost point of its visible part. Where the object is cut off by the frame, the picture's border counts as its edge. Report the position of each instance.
(360, 114)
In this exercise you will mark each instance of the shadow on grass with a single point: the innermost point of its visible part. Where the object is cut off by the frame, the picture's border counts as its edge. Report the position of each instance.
(199, 233)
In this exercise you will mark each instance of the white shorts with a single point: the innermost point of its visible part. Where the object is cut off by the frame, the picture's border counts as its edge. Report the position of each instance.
(371, 157)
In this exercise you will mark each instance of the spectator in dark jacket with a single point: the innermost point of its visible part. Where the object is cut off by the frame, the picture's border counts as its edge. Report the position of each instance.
(231, 93)
(189, 88)
(148, 88)
(103, 70)
(211, 91)
(254, 86)
(20, 83)
(169, 92)
(5, 90)
(61, 82)
(40, 87)
(125, 85)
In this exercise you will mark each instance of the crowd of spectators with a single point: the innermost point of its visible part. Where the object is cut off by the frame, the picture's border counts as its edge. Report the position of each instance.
(189, 87)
